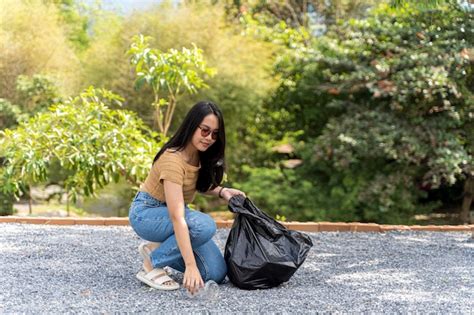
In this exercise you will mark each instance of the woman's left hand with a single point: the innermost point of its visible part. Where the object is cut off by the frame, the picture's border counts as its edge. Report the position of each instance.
(228, 193)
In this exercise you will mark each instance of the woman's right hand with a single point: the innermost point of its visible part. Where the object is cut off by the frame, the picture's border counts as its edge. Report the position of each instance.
(192, 279)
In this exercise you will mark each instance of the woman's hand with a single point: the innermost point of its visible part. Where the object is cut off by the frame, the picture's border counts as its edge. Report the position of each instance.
(192, 279)
(228, 193)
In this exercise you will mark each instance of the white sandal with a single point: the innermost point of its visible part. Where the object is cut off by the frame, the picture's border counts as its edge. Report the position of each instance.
(158, 274)
(157, 279)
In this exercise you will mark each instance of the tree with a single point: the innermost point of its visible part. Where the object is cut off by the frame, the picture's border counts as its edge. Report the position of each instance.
(168, 73)
(76, 21)
(94, 144)
(243, 64)
(36, 93)
(9, 114)
(33, 41)
(297, 14)
(385, 107)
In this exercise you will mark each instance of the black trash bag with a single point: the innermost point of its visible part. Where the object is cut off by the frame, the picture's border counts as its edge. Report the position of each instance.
(260, 253)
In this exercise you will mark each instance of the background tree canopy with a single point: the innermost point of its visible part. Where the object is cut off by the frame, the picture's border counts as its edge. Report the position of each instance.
(348, 110)
(384, 107)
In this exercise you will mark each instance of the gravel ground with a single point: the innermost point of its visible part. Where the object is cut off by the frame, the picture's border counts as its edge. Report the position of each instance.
(86, 269)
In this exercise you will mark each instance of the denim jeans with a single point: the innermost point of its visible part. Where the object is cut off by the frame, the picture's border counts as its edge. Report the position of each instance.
(150, 219)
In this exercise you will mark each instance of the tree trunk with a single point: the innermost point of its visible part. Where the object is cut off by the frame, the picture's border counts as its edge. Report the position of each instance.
(466, 203)
(30, 201)
(158, 117)
(169, 114)
(67, 202)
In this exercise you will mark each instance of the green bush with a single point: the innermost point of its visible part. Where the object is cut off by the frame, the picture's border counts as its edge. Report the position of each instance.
(9, 114)
(385, 111)
(6, 204)
(93, 145)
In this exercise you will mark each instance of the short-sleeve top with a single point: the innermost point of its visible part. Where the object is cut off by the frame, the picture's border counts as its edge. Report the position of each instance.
(171, 166)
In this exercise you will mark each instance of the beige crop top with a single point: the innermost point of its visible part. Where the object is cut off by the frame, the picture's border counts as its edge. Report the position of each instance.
(171, 166)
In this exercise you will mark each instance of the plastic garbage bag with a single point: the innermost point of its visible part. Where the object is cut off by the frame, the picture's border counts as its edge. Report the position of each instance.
(260, 252)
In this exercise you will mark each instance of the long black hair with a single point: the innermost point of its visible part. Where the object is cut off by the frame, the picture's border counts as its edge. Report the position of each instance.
(213, 159)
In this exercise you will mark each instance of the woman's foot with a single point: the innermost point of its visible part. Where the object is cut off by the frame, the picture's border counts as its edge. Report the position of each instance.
(158, 279)
(145, 251)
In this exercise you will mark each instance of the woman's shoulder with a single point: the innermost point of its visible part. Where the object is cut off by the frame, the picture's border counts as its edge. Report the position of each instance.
(170, 155)
(172, 151)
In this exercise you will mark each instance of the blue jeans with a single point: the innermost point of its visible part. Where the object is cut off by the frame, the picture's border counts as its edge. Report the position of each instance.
(150, 219)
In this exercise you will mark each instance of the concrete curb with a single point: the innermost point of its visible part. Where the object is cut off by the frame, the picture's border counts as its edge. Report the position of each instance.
(300, 226)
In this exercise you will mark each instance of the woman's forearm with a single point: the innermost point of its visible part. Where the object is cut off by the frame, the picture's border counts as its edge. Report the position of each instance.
(214, 192)
(184, 241)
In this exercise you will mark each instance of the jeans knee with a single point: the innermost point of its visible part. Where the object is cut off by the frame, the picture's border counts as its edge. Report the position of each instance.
(218, 273)
(211, 226)
(202, 228)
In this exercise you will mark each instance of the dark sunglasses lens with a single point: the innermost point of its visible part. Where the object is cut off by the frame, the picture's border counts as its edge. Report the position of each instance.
(205, 132)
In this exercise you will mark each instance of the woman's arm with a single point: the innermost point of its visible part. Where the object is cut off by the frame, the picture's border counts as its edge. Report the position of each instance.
(175, 202)
(224, 192)
(213, 192)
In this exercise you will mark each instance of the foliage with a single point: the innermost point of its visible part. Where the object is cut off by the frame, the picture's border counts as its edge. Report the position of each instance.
(36, 93)
(379, 109)
(95, 144)
(279, 191)
(423, 5)
(6, 204)
(297, 14)
(386, 109)
(75, 20)
(29, 30)
(243, 65)
(421, 104)
(170, 73)
(9, 114)
(33, 41)
(279, 33)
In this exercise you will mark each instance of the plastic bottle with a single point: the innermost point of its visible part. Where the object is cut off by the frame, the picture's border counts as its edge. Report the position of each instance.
(209, 292)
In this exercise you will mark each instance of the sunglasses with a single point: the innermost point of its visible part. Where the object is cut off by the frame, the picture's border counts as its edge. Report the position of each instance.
(206, 131)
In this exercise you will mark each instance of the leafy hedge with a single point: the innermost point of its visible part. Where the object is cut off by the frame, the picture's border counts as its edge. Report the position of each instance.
(386, 112)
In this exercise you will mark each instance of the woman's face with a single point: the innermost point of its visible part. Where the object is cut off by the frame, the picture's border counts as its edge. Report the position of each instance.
(204, 134)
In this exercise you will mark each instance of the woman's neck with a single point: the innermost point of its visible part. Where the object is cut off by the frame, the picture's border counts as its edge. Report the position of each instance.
(191, 154)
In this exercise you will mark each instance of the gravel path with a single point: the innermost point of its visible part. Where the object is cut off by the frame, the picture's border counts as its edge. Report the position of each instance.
(85, 269)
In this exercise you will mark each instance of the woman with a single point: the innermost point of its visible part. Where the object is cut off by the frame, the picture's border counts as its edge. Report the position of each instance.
(181, 238)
